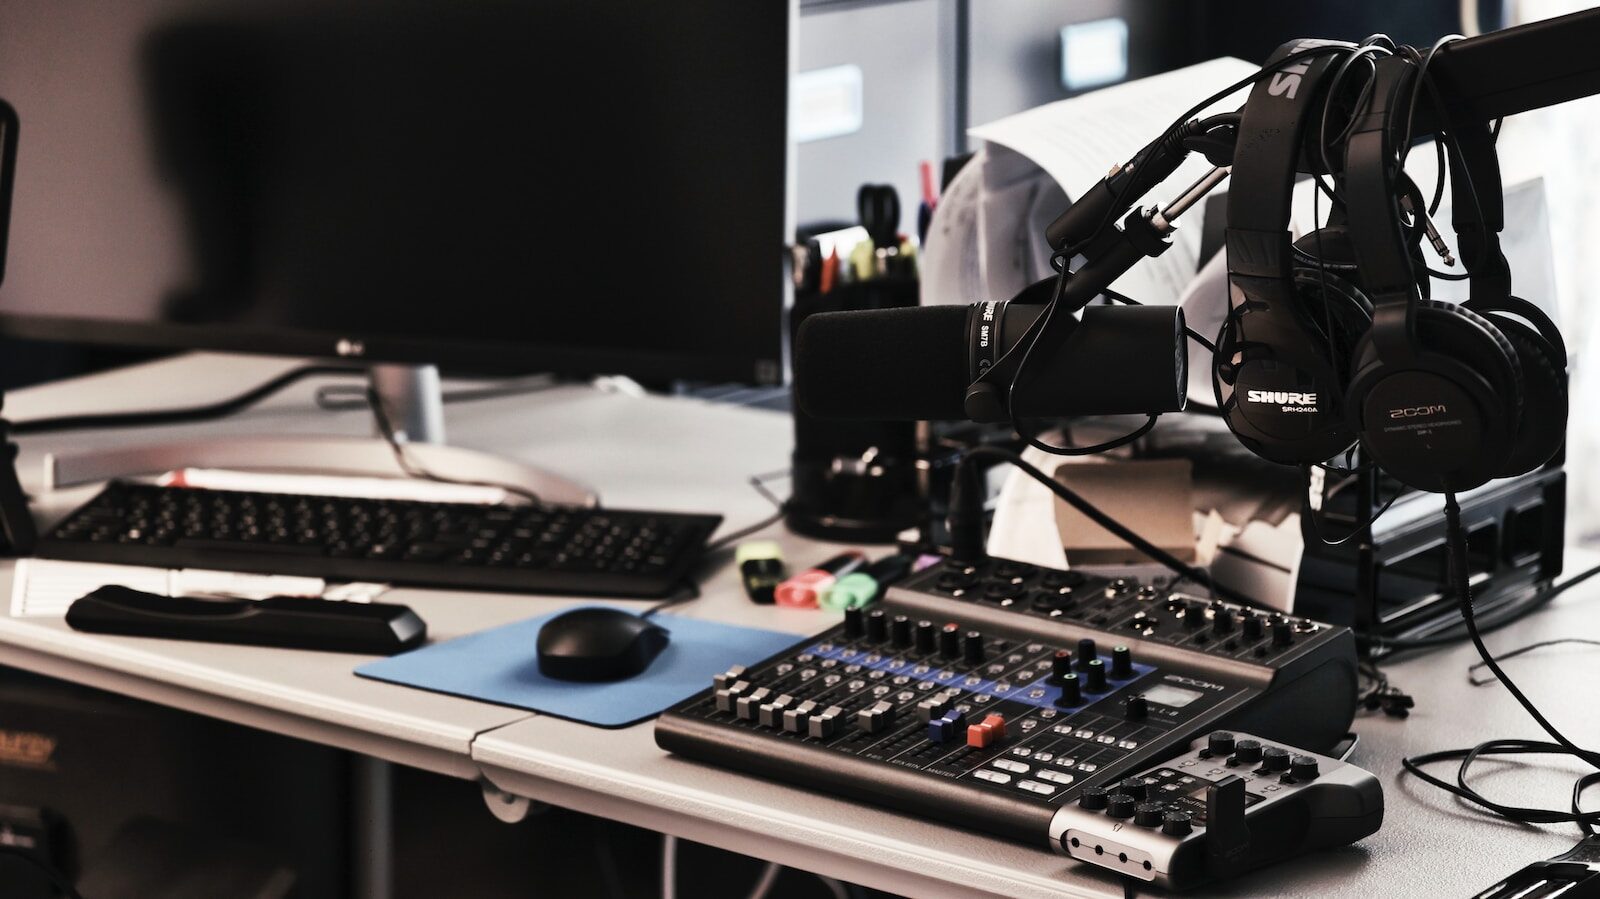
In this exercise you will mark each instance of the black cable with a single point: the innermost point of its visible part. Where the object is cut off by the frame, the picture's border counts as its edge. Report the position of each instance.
(1117, 528)
(43, 866)
(413, 470)
(1192, 333)
(155, 417)
(1462, 584)
(1521, 650)
(732, 537)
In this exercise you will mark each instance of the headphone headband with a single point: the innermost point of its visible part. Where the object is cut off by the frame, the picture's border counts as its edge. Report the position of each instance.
(1272, 132)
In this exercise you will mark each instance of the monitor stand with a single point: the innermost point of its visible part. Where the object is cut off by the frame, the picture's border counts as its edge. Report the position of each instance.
(414, 404)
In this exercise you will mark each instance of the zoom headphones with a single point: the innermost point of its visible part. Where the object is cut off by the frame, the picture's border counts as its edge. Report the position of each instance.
(1277, 369)
(1444, 397)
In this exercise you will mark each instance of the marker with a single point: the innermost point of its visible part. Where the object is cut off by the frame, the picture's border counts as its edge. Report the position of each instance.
(762, 569)
(930, 200)
(868, 585)
(802, 590)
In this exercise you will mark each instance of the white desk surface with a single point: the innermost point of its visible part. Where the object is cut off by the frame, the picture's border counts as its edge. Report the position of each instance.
(682, 454)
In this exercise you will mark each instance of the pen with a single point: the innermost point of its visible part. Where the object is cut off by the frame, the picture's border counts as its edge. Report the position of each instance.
(802, 590)
(868, 585)
(930, 199)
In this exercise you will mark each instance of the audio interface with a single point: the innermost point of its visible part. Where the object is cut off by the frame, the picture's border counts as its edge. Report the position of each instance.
(1229, 804)
(992, 695)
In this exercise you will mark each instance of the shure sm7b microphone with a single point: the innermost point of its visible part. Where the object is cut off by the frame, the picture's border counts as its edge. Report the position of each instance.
(917, 363)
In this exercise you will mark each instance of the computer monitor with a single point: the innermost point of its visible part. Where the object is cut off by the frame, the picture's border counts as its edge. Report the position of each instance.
(577, 186)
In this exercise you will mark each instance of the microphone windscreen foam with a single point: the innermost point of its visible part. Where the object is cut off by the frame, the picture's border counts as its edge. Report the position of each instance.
(904, 364)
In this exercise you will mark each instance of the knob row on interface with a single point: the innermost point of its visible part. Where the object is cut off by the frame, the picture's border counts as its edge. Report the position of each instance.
(878, 626)
(1272, 759)
(1124, 805)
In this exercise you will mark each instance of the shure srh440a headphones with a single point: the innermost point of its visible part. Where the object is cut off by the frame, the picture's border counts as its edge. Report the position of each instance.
(1279, 359)
(1444, 397)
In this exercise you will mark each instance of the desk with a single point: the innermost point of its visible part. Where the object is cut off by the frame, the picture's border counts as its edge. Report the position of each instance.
(684, 454)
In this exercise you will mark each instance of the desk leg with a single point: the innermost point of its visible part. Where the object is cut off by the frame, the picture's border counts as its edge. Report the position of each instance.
(372, 829)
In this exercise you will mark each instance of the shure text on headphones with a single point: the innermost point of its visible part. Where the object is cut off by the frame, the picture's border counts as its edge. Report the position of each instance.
(1289, 401)
(1287, 81)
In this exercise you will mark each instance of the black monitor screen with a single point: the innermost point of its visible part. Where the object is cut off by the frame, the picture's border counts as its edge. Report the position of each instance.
(573, 185)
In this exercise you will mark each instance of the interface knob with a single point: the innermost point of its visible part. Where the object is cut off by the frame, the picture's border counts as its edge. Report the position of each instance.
(1060, 665)
(1121, 805)
(877, 626)
(1086, 653)
(900, 631)
(1282, 633)
(1303, 767)
(1071, 691)
(1222, 620)
(1247, 751)
(972, 648)
(1121, 662)
(1194, 615)
(1093, 798)
(1220, 742)
(1136, 708)
(950, 641)
(1148, 814)
(1252, 627)
(1275, 758)
(1176, 824)
(1134, 787)
(1096, 676)
(925, 636)
(855, 623)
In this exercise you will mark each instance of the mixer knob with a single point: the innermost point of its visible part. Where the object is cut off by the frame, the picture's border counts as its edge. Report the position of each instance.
(1136, 708)
(877, 625)
(972, 648)
(855, 623)
(1275, 758)
(1134, 787)
(925, 636)
(1148, 814)
(1247, 752)
(950, 641)
(1093, 798)
(1096, 676)
(1060, 665)
(1071, 691)
(1252, 627)
(1194, 614)
(1086, 653)
(1176, 824)
(1222, 620)
(1220, 742)
(900, 631)
(1121, 663)
(1282, 633)
(1303, 767)
(1121, 805)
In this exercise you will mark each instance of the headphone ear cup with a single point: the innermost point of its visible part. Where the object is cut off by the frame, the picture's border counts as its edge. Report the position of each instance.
(1464, 354)
(1542, 427)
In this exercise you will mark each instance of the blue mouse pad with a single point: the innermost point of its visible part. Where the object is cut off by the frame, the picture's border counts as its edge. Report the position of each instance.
(501, 666)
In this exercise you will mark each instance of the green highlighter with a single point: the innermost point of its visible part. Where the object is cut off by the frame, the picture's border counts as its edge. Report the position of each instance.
(866, 586)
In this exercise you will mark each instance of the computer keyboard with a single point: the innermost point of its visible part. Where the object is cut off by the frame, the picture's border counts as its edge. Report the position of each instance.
(525, 549)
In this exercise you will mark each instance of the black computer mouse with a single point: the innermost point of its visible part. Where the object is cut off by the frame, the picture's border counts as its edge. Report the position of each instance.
(598, 644)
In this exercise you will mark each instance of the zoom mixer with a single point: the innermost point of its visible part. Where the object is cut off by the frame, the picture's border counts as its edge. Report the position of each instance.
(990, 695)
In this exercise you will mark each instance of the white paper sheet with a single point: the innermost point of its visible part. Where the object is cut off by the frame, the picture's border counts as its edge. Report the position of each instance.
(43, 588)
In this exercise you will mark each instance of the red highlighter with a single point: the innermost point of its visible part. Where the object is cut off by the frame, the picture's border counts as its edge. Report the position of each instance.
(802, 590)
